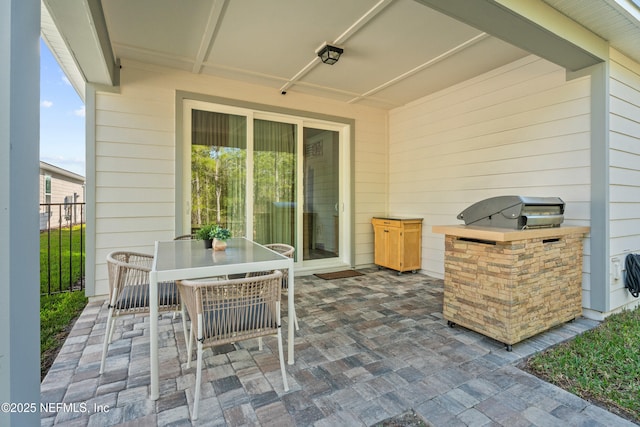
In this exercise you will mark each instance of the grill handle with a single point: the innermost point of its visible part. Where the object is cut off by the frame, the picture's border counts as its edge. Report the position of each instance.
(534, 221)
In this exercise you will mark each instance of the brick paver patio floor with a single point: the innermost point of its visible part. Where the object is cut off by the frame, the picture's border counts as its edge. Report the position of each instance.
(369, 348)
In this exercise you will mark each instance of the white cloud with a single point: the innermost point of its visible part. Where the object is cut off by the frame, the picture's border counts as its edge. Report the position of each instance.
(46, 104)
(66, 80)
(80, 112)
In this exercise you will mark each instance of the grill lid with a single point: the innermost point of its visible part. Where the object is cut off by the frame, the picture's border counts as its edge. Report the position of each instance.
(517, 212)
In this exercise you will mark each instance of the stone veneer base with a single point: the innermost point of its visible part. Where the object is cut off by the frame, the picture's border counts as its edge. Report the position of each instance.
(512, 290)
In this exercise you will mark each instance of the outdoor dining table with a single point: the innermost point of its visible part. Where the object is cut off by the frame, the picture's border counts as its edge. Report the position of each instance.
(188, 259)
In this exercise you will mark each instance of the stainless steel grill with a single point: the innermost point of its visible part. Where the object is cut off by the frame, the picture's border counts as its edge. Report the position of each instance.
(515, 212)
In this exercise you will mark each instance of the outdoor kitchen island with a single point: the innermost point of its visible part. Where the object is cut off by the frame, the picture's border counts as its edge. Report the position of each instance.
(511, 284)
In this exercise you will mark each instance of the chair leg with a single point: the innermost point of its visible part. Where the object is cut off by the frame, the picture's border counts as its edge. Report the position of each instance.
(259, 343)
(107, 339)
(196, 396)
(294, 316)
(184, 323)
(190, 345)
(112, 327)
(281, 356)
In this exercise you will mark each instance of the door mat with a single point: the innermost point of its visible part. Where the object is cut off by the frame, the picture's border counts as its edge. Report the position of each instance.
(339, 274)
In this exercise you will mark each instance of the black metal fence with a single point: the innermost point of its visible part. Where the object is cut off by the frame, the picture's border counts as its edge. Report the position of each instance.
(62, 247)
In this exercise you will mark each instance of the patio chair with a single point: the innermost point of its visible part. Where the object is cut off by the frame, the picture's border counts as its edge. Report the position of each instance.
(288, 251)
(185, 237)
(228, 311)
(129, 292)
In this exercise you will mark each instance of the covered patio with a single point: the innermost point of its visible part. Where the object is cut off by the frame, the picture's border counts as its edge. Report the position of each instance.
(505, 97)
(369, 348)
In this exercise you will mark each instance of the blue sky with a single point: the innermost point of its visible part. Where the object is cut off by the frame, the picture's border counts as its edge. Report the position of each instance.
(62, 117)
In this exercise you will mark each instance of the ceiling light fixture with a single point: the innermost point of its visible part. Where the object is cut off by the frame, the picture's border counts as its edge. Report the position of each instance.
(330, 54)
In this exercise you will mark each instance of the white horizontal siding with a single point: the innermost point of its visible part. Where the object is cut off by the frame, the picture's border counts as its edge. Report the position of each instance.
(624, 168)
(135, 179)
(135, 157)
(521, 129)
(622, 211)
(371, 175)
(134, 165)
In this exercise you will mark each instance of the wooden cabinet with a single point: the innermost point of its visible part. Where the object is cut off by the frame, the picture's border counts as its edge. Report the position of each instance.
(398, 243)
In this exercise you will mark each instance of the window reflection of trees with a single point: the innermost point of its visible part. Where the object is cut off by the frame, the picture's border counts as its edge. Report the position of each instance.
(219, 174)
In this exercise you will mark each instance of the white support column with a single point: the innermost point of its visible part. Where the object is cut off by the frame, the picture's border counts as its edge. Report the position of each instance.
(600, 295)
(19, 225)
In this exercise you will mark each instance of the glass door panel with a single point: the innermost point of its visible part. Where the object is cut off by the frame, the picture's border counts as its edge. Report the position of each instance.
(218, 170)
(274, 182)
(321, 220)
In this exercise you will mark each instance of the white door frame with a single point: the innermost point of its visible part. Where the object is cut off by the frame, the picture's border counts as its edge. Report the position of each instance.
(183, 200)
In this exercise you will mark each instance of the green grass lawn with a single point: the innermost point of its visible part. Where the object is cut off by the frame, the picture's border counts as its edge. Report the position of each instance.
(602, 365)
(61, 258)
(57, 313)
(58, 310)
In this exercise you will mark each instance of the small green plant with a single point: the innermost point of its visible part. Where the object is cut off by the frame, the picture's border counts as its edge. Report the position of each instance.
(213, 231)
(220, 233)
(204, 232)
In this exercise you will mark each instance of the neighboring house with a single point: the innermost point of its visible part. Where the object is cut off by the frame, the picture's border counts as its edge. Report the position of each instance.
(61, 192)
(436, 104)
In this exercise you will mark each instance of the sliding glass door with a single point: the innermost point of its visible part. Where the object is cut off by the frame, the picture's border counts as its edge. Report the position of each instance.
(272, 178)
(321, 193)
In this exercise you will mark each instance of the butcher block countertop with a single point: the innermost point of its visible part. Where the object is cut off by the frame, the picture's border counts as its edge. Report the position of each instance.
(505, 234)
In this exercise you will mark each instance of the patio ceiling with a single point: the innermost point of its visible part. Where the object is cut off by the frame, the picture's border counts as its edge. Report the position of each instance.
(396, 51)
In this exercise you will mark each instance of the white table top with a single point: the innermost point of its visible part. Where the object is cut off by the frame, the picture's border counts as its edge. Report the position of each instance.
(174, 257)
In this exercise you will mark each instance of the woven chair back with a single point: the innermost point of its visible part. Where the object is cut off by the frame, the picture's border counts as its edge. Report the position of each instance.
(129, 280)
(233, 310)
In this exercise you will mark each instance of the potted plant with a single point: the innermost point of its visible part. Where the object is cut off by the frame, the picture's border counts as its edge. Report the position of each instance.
(220, 235)
(214, 236)
(204, 233)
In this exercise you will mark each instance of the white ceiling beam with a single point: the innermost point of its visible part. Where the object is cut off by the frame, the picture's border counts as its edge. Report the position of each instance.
(364, 20)
(421, 67)
(300, 74)
(342, 38)
(211, 30)
(83, 28)
(516, 22)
